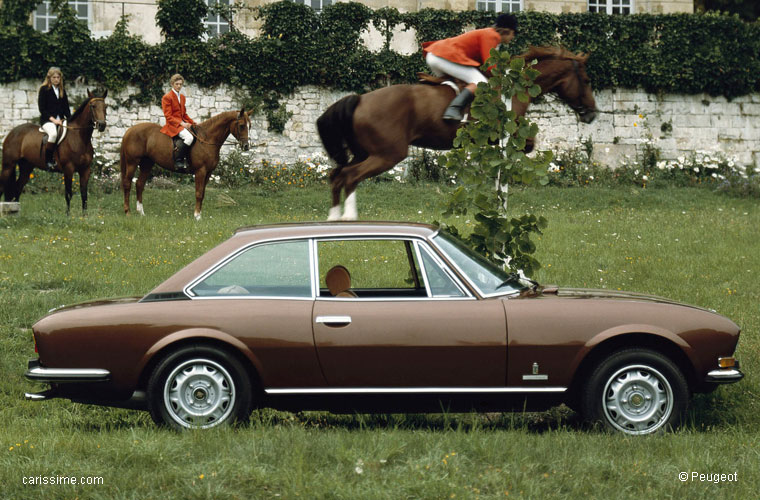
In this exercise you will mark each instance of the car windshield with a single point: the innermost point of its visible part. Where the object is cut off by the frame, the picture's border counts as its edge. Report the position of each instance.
(486, 276)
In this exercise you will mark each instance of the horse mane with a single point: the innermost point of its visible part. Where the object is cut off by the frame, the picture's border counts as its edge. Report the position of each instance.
(209, 123)
(549, 52)
(80, 109)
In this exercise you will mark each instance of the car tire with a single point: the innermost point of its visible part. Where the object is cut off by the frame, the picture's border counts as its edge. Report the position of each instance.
(198, 387)
(636, 391)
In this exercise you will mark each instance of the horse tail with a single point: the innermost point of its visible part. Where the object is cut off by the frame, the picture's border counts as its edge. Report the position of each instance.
(336, 129)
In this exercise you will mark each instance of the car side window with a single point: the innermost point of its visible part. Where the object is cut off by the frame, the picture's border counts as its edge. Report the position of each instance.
(384, 268)
(268, 270)
(440, 283)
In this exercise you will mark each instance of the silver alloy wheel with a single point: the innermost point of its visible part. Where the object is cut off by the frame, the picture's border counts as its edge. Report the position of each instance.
(199, 393)
(637, 399)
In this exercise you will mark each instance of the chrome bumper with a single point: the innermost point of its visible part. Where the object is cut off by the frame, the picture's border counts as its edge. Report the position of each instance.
(65, 375)
(724, 375)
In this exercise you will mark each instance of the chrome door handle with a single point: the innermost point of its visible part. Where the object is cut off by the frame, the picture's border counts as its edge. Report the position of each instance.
(334, 320)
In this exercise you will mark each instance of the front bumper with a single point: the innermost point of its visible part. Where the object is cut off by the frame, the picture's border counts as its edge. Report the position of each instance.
(725, 375)
(39, 373)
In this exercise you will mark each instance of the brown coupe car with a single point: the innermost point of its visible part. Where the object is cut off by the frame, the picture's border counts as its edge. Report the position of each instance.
(385, 317)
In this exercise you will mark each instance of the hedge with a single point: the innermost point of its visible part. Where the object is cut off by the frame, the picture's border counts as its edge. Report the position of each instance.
(676, 53)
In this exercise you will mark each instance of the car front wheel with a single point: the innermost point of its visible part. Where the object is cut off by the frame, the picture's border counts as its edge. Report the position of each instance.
(198, 387)
(636, 391)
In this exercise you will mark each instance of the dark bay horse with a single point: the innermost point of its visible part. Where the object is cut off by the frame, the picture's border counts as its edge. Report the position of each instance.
(23, 147)
(144, 145)
(378, 127)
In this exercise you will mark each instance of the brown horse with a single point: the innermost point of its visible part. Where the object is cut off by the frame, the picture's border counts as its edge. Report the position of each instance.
(378, 127)
(23, 147)
(144, 145)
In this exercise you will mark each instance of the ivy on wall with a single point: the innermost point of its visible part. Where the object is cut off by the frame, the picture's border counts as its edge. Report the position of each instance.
(679, 53)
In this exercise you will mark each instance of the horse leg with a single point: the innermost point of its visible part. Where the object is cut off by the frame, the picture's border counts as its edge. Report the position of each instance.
(201, 179)
(68, 177)
(8, 180)
(84, 180)
(24, 172)
(352, 176)
(336, 185)
(146, 167)
(127, 173)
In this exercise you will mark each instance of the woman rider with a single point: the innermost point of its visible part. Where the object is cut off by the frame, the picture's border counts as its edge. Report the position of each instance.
(54, 107)
(462, 55)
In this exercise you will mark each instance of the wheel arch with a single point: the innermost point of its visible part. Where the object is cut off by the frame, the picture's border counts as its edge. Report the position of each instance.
(170, 344)
(607, 347)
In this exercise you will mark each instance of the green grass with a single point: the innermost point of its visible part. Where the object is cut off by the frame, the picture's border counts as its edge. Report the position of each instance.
(687, 244)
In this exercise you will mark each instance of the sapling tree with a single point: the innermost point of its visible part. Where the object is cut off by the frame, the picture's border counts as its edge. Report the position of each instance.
(488, 155)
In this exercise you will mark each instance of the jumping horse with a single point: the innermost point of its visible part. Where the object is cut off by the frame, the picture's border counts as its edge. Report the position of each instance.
(144, 145)
(378, 127)
(24, 147)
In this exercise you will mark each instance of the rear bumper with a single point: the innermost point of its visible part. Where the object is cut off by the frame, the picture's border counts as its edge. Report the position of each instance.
(39, 373)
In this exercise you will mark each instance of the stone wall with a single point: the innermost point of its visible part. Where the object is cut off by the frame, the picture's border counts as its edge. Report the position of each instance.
(676, 124)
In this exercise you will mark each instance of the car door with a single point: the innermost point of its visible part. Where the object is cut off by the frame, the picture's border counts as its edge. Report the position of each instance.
(407, 323)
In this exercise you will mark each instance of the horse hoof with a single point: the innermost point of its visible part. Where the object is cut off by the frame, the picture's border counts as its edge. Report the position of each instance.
(139, 209)
(197, 216)
(334, 213)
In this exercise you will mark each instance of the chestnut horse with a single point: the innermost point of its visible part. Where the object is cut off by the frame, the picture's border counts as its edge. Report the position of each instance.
(23, 146)
(144, 145)
(378, 127)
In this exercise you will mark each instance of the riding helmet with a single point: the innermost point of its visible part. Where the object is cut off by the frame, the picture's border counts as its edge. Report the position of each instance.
(507, 21)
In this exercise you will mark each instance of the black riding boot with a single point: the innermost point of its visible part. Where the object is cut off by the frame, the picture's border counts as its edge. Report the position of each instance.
(455, 111)
(49, 150)
(180, 155)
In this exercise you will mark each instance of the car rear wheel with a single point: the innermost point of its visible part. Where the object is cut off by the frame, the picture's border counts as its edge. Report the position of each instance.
(636, 391)
(198, 387)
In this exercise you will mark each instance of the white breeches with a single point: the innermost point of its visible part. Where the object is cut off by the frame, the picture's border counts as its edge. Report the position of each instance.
(50, 130)
(441, 67)
(186, 136)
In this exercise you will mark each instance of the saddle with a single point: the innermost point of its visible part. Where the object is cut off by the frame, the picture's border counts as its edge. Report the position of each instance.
(454, 83)
(62, 131)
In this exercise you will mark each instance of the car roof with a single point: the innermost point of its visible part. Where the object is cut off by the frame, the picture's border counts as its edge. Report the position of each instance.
(245, 236)
(323, 229)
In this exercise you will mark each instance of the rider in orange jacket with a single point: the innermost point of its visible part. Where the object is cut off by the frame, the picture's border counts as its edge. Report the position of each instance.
(462, 55)
(177, 121)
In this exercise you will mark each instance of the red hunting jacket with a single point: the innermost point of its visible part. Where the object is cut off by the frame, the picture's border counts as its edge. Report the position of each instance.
(469, 49)
(175, 113)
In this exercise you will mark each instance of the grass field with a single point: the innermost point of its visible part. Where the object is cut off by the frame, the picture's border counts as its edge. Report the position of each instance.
(687, 244)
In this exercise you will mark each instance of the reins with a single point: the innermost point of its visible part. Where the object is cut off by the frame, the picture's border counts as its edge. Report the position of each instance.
(203, 141)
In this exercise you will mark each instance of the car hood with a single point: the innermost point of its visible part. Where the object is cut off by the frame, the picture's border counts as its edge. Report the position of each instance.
(587, 293)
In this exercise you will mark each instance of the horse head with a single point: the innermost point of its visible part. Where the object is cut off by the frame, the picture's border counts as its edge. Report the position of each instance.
(98, 110)
(240, 128)
(575, 88)
(564, 73)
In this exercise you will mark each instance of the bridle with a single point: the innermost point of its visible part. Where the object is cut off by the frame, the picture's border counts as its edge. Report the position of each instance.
(93, 121)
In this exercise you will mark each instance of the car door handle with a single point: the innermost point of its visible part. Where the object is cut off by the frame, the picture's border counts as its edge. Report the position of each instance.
(334, 320)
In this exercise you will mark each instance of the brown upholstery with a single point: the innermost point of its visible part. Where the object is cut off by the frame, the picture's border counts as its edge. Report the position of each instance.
(338, 281)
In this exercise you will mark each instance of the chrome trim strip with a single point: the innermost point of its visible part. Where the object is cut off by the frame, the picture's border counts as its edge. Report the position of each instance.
(393, 299)
(333, 319)
(42, 374)
(535, 377)
(415, 390)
